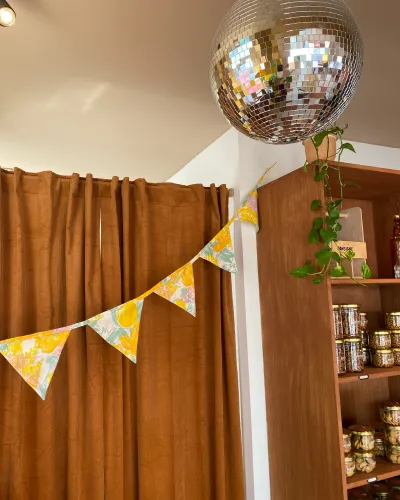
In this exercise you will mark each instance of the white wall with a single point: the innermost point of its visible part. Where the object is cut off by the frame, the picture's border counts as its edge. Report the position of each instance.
(238, 162)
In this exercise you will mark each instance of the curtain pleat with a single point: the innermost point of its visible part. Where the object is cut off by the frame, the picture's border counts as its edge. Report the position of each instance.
(167, 428)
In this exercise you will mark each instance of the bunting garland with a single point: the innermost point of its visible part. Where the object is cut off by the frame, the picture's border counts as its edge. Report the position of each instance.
(35, 357)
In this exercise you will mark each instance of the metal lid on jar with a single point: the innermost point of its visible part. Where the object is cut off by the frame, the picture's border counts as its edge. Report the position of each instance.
(348, 457)
(383, 351)
(391, 405)
(397, 349)
(365, 349)
(363, 314)
(361, 429)
(395, 331)
(350, 306)
(364, 453)
(335, 306)
(394, 313)
(338, 341)
(353, 339)
(394, 427)
(381, 332)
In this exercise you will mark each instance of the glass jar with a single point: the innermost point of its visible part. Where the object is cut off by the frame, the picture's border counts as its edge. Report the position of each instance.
(346, 440)
(394, 483)
(362, 437)
(393, 453)
(392, 434)
(337, 321)
(392, 320)
(380, 450)
(366, 357)
(350, 319)
(340, 357)
(390, 412)
(349, 465)
(395, 338)
(380, 491)
(396, 356)
(363, 321)
(382, 358)
(365, 461)
(364, 338)
(380, 339)
(354, 357)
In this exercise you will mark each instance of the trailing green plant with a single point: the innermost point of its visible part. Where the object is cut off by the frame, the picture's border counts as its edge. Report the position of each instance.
(324, 230)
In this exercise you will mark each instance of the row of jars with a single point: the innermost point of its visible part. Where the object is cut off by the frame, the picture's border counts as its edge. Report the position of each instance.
(389, 490)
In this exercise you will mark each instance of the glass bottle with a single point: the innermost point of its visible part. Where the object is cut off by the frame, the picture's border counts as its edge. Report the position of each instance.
(395, 246)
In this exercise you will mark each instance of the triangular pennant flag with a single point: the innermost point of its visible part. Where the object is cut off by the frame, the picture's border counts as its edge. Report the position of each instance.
(178, 288)
(220, 250)
(35, 357)
(120, 327)
(248, 211)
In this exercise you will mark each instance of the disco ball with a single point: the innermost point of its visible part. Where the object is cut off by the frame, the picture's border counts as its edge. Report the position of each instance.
(282, 71)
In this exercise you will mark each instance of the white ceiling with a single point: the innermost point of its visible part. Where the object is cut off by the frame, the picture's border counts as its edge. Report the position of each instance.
(96, 84)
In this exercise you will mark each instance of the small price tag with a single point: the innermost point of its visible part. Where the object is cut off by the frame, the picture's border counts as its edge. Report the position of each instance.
(372, 480)
(363, 377)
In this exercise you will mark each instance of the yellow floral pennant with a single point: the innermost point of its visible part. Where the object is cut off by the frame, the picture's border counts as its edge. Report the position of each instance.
(220, 250)
(178, 288)
(120, 327)
(248, 211)
(35, 357)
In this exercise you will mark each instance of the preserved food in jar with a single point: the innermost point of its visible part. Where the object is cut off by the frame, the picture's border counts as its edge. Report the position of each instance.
(393, 453)
(354, 357)
(393, 320)
(366, 358)
(364, 338)
(340, 357)
(350, 319)
(380, 445)
(337, 321)
(380, 339)
(363, 321)
(396, 356)
(346, 440)
(395, 338)
(390, 412)
(362, 437)
(365, 461)
(382, 358)
(392, 434)
(349, 465)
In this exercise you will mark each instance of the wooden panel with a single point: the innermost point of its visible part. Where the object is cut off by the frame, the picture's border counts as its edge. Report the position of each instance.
(301, 383)
(369, 299)
(374, 182)
(371, 372)
(360, 401)
(384, 470)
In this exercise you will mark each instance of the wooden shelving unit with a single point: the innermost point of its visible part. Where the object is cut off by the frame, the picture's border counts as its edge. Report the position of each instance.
(307, 403)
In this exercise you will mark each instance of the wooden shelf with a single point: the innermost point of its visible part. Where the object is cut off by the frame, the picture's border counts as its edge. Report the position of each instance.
(384, 470)
(371, 372)
(372, 281)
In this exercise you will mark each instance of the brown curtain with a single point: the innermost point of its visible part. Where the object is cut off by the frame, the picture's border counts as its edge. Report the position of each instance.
(167, 428)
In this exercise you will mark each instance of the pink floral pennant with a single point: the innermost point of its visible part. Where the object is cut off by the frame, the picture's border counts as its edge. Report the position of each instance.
(178, 288)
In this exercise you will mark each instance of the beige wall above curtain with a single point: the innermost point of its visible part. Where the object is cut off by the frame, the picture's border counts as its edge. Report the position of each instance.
(167, 428)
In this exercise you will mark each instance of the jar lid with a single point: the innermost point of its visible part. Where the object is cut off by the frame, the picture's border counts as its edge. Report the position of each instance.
(335, 306)
(363, 314)
(353, 339)
(383, 351)
(396, 349)
(394, 427)
(381, 332)
(350, 306)
(391, 405)
(365, 453)
(394, 313)
(379, 440)
(365, 349)
(362, 429)
(338, 341)
(394, 331)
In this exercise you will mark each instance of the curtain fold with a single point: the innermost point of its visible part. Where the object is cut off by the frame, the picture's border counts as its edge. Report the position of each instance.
(167, 428)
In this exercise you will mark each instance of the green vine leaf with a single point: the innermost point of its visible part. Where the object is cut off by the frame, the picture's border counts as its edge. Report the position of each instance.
(330, 222)
(303, 271)
(315, 205)
(338, 227)
(320, 176)
(338, 272)
(336, 257)
(366, 271)
(334, 213)
(318, 223)
(334, 204)
(349, 255)
(319, 138)
(328, 235)
(318, 280)
(348, 146)
(324, 256)
(351, 183)
(313, 237)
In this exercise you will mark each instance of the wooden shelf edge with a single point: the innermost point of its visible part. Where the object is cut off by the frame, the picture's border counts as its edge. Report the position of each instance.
(372, 281)
(384, 470)
(369, 373)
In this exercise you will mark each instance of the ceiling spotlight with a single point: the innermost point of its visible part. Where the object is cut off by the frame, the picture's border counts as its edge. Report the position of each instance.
(7, 14)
